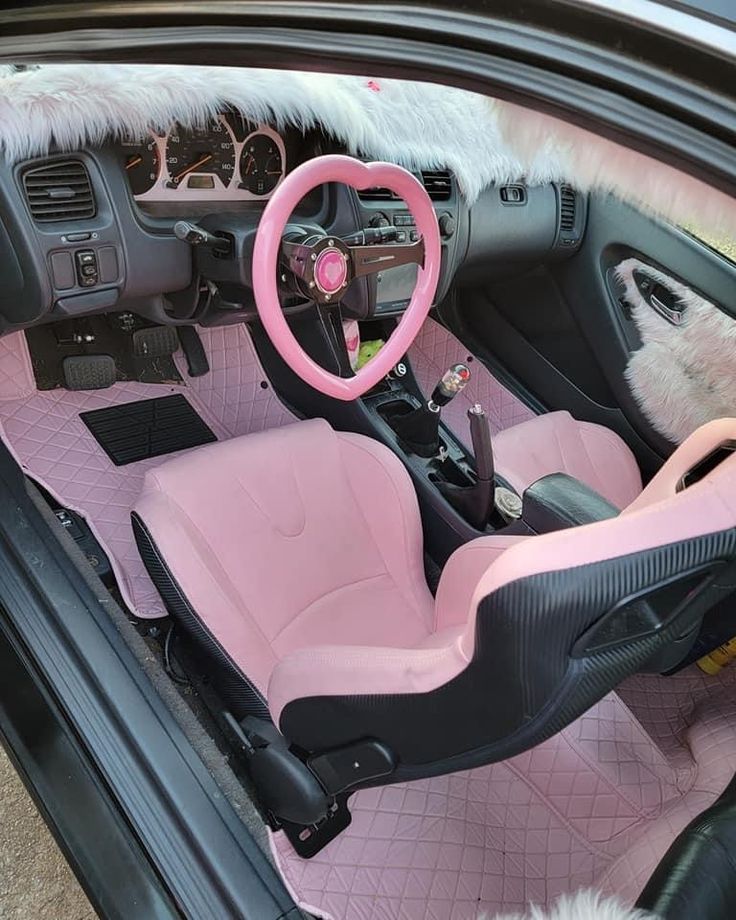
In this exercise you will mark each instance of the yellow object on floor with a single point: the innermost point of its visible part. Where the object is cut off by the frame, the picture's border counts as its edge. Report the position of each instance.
(718, 658)
(368, 350)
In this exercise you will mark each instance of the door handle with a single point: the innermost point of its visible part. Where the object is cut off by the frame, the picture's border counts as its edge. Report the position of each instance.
(671, 315)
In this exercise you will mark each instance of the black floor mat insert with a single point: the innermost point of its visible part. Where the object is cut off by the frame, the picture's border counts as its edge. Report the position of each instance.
(149, 428)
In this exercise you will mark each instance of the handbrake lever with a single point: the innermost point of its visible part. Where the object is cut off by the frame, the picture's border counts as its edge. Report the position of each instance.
(480, 435)
(476, 502)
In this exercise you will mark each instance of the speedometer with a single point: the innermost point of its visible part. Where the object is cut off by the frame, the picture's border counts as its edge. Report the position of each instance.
(195, 156)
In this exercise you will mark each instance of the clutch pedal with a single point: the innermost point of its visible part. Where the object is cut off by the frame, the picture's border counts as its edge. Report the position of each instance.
(155, 342)
(89, 372)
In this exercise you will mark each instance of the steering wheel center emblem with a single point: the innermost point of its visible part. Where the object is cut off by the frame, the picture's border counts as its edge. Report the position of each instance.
(330, 271)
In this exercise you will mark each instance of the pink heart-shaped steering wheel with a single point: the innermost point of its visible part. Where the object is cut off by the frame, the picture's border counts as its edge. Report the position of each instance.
(331, 269)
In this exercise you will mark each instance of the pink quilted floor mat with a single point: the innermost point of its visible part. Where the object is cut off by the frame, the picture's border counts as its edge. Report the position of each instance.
(433, 351)
(596, 806)
(44, 432)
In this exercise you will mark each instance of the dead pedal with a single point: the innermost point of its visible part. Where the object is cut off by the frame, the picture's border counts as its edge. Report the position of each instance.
(155, 342)
(89, 372)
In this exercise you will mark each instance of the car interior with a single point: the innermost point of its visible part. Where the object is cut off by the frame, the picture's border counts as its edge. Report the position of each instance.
(412, 460)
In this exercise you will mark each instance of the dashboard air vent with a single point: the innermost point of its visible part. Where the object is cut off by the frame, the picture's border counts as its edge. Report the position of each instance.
(567, 208)
(59, 190)
(376, 194)
(438, 184)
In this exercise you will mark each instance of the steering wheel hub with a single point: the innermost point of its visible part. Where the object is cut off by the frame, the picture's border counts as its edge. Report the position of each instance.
(331, 271)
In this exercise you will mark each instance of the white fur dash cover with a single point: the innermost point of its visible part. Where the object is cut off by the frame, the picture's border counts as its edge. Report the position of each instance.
(682, 376)
(418, 125)
(414, 124)
(584, 905)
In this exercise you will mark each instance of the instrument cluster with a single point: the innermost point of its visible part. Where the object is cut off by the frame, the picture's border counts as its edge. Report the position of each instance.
(227, 159)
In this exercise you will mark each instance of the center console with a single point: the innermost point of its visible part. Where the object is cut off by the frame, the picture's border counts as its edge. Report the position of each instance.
(459, 483)
(378, 208)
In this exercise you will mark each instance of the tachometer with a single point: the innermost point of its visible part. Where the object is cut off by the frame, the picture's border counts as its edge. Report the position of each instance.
(141, 165)
(261, 164)
(195, 156)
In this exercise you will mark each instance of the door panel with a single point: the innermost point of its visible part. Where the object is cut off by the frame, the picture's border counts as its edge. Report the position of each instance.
(568, 330)
(607, 311)
(684, 374)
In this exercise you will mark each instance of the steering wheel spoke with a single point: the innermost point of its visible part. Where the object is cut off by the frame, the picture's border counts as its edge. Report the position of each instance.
(369, 260)
(296, 257)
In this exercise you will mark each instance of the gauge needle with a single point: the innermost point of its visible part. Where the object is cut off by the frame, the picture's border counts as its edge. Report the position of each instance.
(251, 164)
(134, 162)
(200, 162)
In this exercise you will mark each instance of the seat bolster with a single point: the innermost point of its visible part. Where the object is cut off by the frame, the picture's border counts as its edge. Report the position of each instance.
(204, 583)
(343, 670)
(694, 449)
(461, 575)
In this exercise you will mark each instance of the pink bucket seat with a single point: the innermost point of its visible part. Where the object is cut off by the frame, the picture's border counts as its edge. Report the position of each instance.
(295, 557)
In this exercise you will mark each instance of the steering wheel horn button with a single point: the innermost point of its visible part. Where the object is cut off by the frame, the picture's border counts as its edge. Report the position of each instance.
(330, 271)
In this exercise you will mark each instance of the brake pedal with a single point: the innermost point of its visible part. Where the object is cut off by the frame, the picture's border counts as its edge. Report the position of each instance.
(88, 372)
(155, 342)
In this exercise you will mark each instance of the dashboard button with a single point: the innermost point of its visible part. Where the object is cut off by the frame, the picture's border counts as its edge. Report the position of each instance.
(86, 267)
(77, 237)
(62, 269)
(107, 259)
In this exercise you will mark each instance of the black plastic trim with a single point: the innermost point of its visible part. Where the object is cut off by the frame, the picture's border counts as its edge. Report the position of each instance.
(105, 854)
(204, 854)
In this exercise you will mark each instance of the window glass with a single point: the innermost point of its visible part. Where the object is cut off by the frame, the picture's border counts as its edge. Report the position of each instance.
(722, 245)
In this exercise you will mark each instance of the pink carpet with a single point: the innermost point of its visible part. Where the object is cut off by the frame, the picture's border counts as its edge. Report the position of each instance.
(595, 807)
(44, 432)
(432, 352)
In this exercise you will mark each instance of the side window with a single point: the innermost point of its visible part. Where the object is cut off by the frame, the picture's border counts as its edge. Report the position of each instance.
(723, 246)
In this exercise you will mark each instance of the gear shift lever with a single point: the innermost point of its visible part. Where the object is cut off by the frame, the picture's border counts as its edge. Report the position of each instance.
(451, 383)
(419, 429)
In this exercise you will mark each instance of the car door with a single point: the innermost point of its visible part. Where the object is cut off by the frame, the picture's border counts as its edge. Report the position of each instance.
(636, 330)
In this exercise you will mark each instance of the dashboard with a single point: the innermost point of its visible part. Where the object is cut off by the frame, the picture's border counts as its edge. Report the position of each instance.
(92, 230)
(226, 160)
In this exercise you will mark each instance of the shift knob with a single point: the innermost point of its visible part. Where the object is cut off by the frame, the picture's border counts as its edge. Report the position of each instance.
(453, 381)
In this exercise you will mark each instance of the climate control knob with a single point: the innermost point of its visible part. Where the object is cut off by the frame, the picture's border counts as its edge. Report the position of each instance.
(379, 220)
(448, 225)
